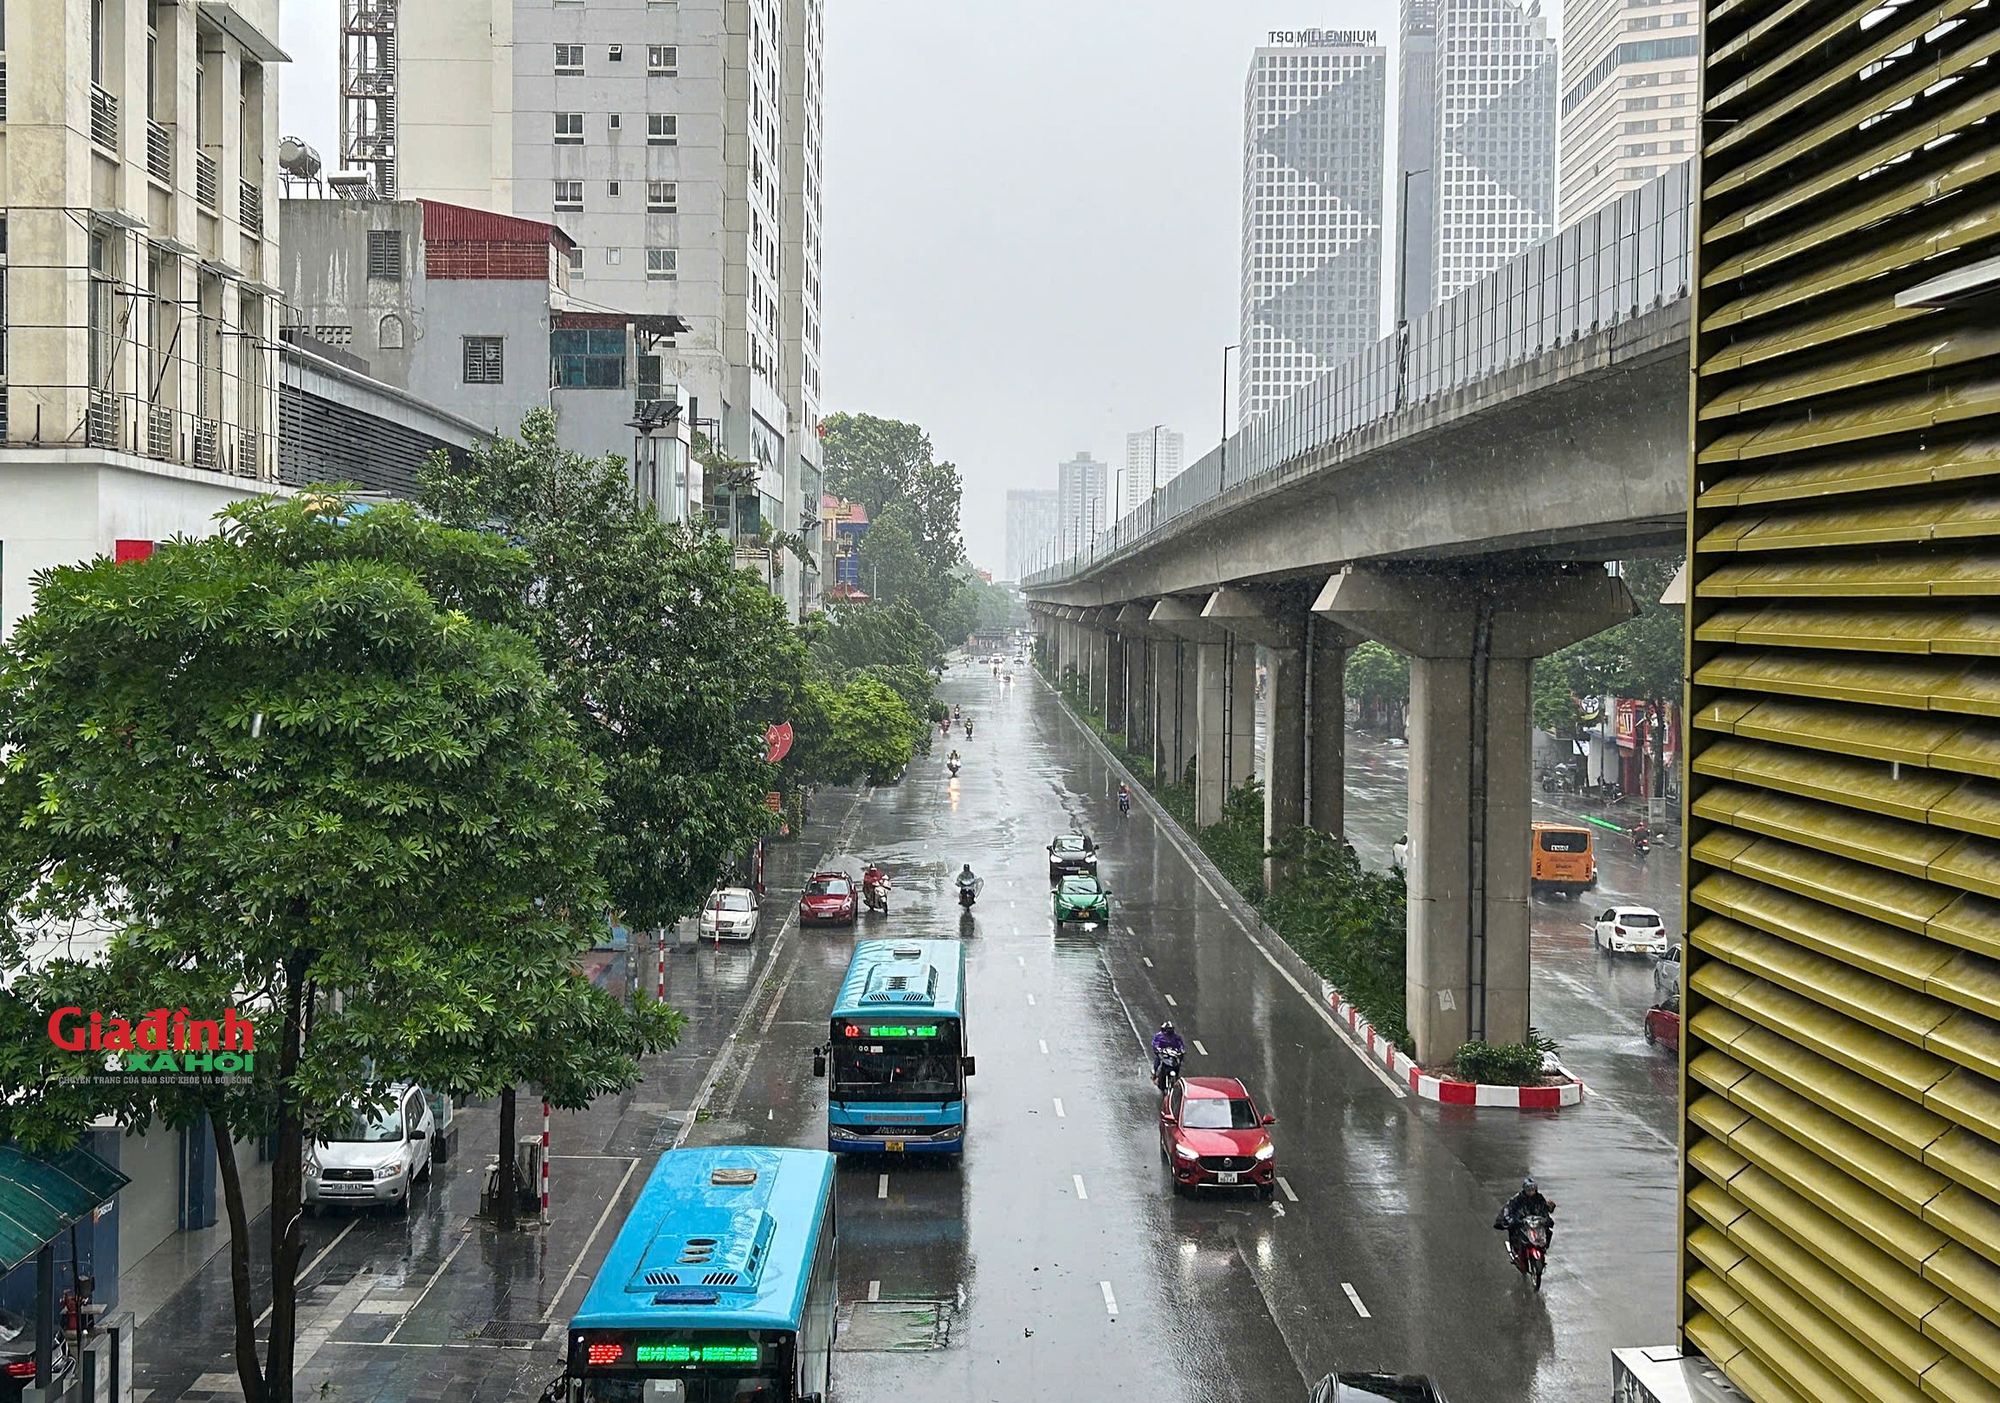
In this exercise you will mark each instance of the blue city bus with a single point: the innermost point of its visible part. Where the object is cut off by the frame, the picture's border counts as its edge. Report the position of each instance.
(896, 1050)
(720, 1287)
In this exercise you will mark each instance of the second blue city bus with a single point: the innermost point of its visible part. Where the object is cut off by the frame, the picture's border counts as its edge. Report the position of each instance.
(895, 1057)
(720, 1288)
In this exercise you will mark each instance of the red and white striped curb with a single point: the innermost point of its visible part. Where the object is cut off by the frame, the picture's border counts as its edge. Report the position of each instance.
(1443, 1089)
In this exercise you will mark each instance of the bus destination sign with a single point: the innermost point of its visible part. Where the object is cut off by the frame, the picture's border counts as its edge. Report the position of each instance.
(891, 1030)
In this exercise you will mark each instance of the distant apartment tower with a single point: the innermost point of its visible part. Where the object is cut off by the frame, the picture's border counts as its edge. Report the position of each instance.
(1490, 160)
(678, 146)
(1031, 527)
(1153, 458)
(1313, 111)
(1415, 170)
(1081, 502)
(1628, 98)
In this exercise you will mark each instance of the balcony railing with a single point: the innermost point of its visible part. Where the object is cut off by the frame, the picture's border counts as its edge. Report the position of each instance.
(103, 118)
(159, 152)
(205, 182)
(3, 87)
(250, 207)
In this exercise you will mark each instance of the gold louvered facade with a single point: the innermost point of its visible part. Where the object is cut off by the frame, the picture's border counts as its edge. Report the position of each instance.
(1841, 1073)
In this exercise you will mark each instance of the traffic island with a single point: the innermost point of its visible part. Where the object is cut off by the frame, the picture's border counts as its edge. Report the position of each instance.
(1560, 1088)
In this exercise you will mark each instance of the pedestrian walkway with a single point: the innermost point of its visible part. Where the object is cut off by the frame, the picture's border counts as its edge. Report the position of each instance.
(440, 1304)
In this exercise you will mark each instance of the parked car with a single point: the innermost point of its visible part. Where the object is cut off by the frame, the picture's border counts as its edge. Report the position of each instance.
(829, 900)
(1663, 1025)
(1631, 929)
(1376, 1388)
(730, 913)
(1212, 1136)
(1071, 853)
(17, 1357)
(1082, 898)
(378, 1158)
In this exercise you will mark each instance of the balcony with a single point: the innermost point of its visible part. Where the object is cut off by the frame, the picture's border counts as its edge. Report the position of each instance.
(103, 118)
(371, 82)
(159, 152)
(206, 183)
(250, 207)
(3, 87)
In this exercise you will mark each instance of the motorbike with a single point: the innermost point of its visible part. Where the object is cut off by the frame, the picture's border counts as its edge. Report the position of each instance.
(952, 765)
(1528, 1246)
(1167, 1068)
(968, 892)
(875, 895)
(1124, 802)
(968, 728)
(1642, 843)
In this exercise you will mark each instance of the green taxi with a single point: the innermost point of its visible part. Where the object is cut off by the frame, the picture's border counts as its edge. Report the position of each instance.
(1082, 898)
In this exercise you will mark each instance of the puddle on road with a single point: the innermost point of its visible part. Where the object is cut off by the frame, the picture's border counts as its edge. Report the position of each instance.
(897, 1326)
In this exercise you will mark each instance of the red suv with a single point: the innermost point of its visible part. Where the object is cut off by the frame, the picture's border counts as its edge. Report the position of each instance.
(828, 900)
(1212, 1137)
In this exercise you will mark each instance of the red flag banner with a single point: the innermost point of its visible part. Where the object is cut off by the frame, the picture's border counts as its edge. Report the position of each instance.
(778, 742)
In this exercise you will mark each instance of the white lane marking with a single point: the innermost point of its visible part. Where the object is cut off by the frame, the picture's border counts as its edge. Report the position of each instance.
(1012, 930)
(882, 1187)
(1021, 961)
(1044, 1045)
(874, 1290)
(1081, 1191)
(1031, 1001)
(1110, 1301)
(584, 1251)
(1171, 1003)
(1059, 1109)
(771, 1114)
(1285, 1186)
(1355, 1297)
(1146, 961)
(320, 1258)
(1199, 1049)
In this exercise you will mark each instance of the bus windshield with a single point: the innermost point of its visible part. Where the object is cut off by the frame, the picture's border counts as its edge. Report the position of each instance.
(898, 1062)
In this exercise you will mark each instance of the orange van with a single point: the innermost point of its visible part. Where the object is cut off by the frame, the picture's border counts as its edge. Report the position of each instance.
(1564, 860)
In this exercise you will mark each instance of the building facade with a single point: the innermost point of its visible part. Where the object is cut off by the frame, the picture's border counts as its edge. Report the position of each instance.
(678, 146)
(1082, 502)
(1416, 151)
(1311, 287)
(1031, 527)
(1153, 458)
(1628, 98)
(1490, 162)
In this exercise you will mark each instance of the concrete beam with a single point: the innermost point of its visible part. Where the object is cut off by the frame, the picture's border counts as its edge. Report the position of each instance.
(1527, 612)
(1252, 615)
(1181, 618)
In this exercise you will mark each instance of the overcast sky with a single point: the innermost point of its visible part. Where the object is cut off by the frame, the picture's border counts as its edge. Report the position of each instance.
(1032, 217)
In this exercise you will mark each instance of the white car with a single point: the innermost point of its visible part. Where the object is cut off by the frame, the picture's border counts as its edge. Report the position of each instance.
(1632, 929)
(378, 1159)
(730, 913)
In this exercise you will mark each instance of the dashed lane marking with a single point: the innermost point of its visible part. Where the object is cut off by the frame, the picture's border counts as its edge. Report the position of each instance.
(1059, 1109)
(1355, 1297)
(874, 1290)
(1146, 961)
(882, 1187)
(1021, 960)
(1110, 1301)
(1285, 1186)
(1171, 1003)
(1031, 1001)
(1081, 1191)
(1199, 1049)
(1044, 1045)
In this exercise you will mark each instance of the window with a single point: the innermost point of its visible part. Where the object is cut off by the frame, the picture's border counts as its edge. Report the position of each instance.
(662, 196)
(662, 129)
(663, 59)
(485, 362)
(569, 58)
(611, 189)
(569, 194)
(616, 121)
(590, 360)
(385, 255)
(614, 255)
(569, 129)
(617, 54)
(662, 264)
(576, 260)
(389, 333)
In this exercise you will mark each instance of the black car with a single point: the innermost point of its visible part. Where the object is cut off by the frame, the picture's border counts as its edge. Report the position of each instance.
(17, 1357)
(1071, 854)
(1376, 1388)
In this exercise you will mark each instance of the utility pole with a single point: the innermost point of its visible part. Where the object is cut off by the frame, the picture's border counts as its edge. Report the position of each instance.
(1156, 452)
(1402, 280)
(1225, 401)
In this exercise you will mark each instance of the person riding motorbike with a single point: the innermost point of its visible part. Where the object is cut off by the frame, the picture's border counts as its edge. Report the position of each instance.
(875, 887)
(1528, 1203)
(968, 728)
(1124, 800)
(954, 711)
(968, 886)
(1642, 837)
(1166, 1040)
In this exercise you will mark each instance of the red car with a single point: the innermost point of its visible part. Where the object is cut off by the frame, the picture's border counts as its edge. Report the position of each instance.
(1212, 1137)
(1663, 1025)
(829, 900)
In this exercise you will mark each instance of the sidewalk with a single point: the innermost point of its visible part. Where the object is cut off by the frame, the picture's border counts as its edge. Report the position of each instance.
(440, 1304)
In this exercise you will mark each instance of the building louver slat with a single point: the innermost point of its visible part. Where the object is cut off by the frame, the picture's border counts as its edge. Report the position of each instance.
(1841, 1056)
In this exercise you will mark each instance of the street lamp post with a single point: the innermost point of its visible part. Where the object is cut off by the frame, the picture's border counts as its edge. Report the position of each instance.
(1402, 283)
(1224, 461)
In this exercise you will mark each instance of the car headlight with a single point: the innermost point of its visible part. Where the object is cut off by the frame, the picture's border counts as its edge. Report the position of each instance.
(1183, 1152)
(391, 1170)
(1266, 1150)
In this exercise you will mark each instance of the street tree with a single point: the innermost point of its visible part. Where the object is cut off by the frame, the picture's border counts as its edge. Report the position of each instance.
(1641, 658)
(856, 729)
(1378, 679)
(284, 783)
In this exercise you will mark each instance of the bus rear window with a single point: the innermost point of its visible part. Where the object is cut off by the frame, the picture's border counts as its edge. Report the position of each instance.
(1565, 841)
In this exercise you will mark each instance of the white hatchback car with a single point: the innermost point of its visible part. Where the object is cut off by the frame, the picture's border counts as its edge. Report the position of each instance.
(376, 1159)
(730, 913)
(1632, 929)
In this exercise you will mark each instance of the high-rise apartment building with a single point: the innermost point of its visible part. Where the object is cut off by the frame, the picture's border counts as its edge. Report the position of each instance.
(1081, 502)
(1313, 111)
(1490, 160)
(1628, 97)
(1153, 458)
(1031, 527)
(138, 269)
(1415, 171)
(678, 145)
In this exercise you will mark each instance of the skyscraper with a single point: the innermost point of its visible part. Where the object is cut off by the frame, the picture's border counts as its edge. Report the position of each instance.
(1313, 111)
(1415, 170)
(1153, 458)
(1628, 99)
(1080, 502)
(1492, 154)
(1031, 527)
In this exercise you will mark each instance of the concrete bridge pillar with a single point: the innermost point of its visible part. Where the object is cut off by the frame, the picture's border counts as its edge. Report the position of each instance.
(1472, 639)
(1097, 644)
(1114, 676)
(1279, 625)
(1183, 716)
(1326, 724)
(1134, 721)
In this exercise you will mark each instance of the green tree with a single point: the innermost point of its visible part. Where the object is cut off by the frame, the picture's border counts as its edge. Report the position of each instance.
(893, 570)
(671, 660)
(860, 728)
(1378, 679)
(850, 637)
(1641, 658)
(884, 462)
(344, 808)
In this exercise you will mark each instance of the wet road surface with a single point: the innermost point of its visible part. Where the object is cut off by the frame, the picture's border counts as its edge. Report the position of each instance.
(1055, 1264)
